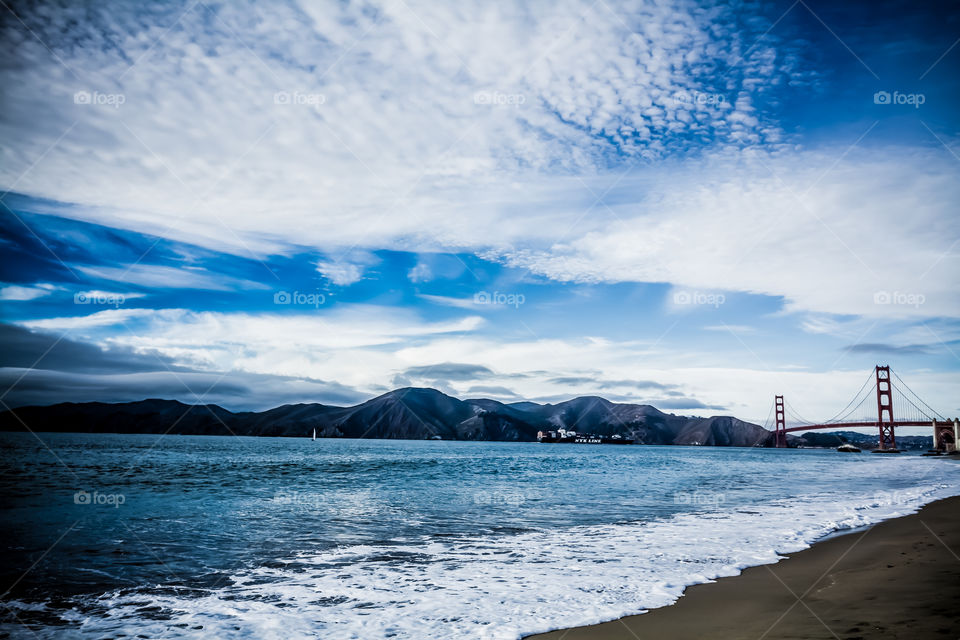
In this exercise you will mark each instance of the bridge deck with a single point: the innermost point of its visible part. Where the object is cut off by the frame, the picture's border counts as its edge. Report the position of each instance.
(860, 425)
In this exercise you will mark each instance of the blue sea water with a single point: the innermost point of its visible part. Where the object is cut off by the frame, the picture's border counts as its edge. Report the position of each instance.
(190, 536)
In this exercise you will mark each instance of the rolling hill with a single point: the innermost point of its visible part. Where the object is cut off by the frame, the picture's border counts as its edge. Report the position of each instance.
(409, 413)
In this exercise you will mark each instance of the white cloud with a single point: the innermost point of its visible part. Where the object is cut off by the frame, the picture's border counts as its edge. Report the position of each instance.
(347, 269)
(97, 294)
(420, 273)
(343, 343)
(106, 318)
(20, 293)
(366, 130)
(450, 301)
(431, 126)
(150, 275)
(731, 328)
(365, 347)
(873, 237)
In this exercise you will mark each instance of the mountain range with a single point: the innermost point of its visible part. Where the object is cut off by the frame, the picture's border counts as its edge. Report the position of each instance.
(409, 413)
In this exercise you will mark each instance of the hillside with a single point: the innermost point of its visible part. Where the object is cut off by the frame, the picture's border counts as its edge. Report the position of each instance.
(409, 413)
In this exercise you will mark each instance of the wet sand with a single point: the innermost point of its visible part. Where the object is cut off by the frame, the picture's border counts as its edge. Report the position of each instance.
(897, 579)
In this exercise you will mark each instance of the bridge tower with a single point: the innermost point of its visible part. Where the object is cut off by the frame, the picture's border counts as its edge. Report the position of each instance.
(887, 442)
(944, 438)
(780, 437)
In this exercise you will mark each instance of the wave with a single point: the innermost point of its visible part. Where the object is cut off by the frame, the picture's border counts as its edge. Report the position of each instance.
(492, 587)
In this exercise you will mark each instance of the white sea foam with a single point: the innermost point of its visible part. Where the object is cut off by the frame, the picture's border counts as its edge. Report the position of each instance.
(503, 587)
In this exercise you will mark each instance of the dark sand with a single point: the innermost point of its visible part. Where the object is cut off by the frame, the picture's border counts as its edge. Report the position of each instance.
(898, 579)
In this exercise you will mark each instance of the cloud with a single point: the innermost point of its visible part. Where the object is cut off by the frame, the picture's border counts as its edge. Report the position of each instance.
(351, 344)
(25, 349)
(450, 301)
(832, 242)
(420, 273)
(731, 328)
(166, 277)
(334, 139)
(348, 269)
(20, 293)
(889, 349)
(493, 392)
(99, 319)
(44, 368)
(687, 403)
(430, 136)
(449, 371)
(361, 349)
(598, 382)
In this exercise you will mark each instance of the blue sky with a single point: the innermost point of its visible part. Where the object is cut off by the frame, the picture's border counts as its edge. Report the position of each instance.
(685, 204)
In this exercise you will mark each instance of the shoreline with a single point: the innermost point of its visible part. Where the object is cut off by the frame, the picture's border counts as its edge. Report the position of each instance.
(899, 578)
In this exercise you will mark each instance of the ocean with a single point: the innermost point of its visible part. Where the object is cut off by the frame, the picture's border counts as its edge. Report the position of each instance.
(191, 536)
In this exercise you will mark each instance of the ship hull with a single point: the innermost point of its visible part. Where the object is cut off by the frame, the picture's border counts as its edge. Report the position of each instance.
(579, 440)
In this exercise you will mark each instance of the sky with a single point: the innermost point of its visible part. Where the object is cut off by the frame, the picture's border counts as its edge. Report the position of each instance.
(694, 205)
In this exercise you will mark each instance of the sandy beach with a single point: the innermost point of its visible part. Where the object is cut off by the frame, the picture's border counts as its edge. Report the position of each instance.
(898, 579)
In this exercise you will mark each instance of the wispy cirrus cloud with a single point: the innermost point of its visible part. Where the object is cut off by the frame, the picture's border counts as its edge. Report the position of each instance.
(13, 292)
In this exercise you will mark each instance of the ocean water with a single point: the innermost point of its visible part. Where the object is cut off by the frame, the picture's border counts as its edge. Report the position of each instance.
(189, 536)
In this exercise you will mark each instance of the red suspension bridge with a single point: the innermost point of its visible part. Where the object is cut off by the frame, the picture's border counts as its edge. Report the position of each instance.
(872, 406)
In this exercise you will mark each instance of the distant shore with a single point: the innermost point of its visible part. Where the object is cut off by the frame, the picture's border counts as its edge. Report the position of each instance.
(897, 579)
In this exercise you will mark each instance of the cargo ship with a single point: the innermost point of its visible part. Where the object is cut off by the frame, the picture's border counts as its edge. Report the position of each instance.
(572, 437)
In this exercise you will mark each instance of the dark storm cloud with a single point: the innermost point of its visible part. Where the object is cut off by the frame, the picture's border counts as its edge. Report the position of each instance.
(42, 368)
(23, 348)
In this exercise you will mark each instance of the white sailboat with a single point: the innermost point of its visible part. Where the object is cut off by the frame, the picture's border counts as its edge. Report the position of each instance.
(314, 434)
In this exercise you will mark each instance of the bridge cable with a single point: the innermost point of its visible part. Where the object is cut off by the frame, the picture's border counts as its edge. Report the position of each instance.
(914, 393)
(909, 401)
(866, 397)
(793, 412)
(766, 422)
(850, 404)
